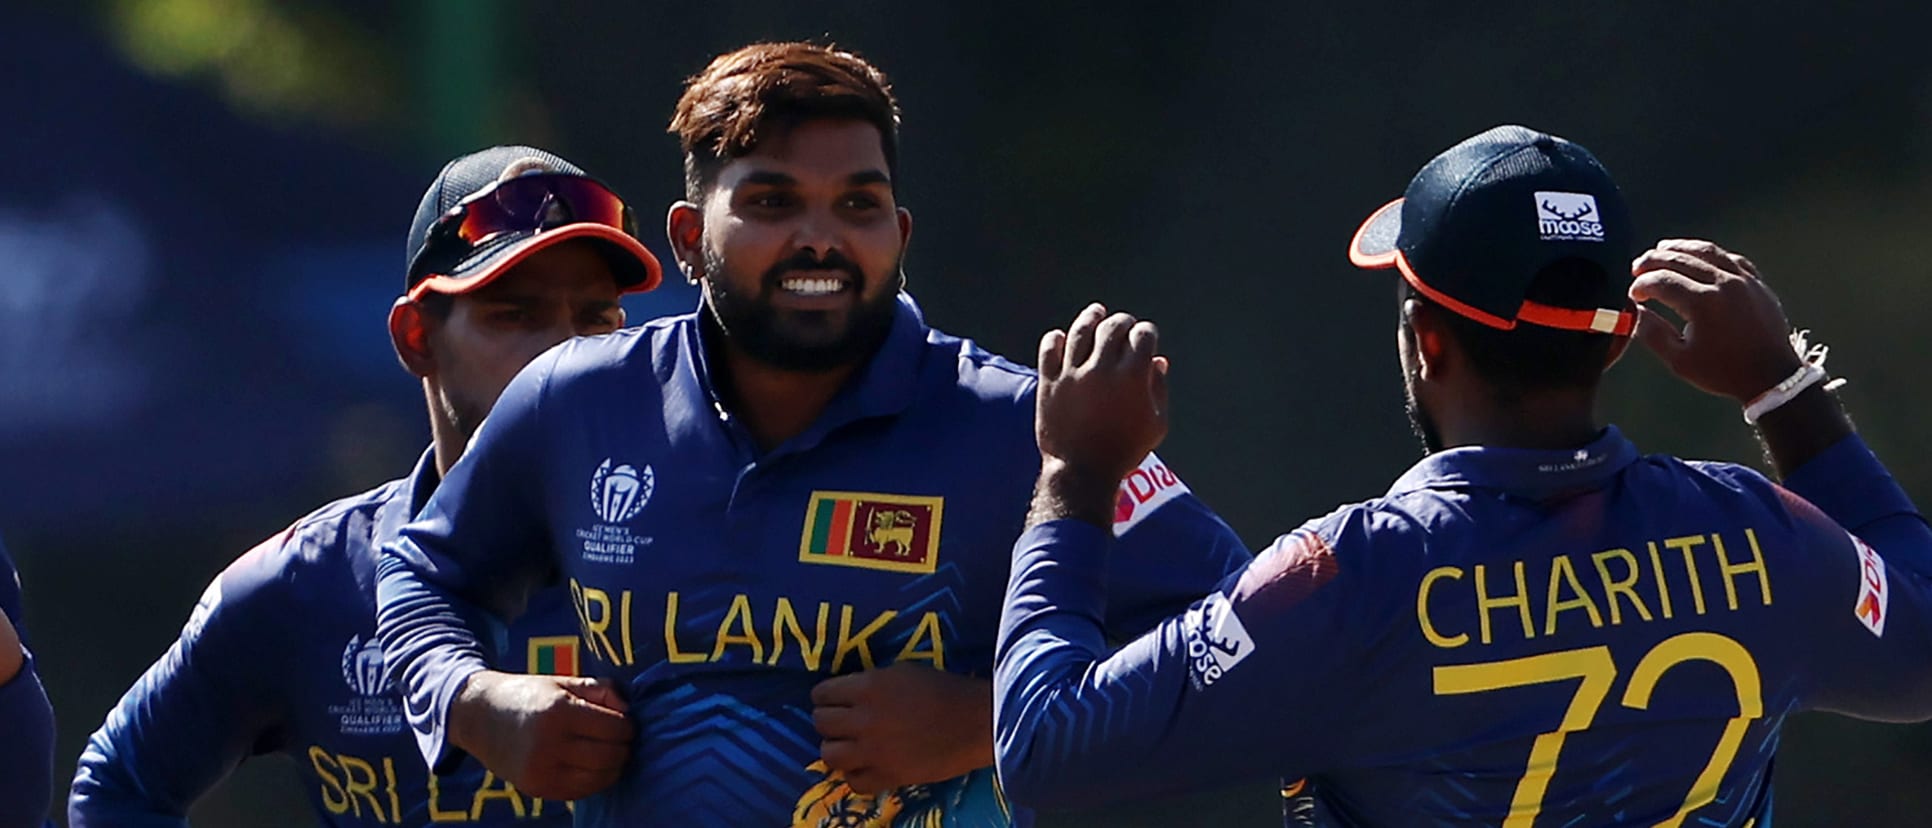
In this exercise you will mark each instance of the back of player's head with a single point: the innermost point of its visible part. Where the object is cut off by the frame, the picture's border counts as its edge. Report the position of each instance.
(1523, 240)
(763, 90)
(1530, 358)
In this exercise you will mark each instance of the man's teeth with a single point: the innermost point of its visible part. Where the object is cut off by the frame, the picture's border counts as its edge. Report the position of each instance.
(812, 287)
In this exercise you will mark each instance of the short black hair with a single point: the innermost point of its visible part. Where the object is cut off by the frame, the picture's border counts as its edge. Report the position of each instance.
(1532, 358)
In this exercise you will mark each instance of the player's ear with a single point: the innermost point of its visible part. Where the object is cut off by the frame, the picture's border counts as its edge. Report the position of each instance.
(684, 227)
(409, 327)
(1430, 339)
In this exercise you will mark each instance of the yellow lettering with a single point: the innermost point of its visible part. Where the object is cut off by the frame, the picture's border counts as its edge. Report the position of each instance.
(1663, 586)
(624, 628)
(928, 627)
(395, 799)
(1731, 570)
(849, 643)
(333, 797)
(436, 812)
(597, 625)
(1520, 601)
(741, 613)
(1561, 567)
(1625, 587)
(1737, 661)
(1422, 609)
(583, 616)
(808, 649)
(365, 787)
(1685, 544)
(485, 794)
(670, 633)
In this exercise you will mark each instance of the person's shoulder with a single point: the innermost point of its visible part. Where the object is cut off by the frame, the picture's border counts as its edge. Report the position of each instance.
(982, 373)
(588, 357)
(1376, 525)
(326, 546)
(1721, 482)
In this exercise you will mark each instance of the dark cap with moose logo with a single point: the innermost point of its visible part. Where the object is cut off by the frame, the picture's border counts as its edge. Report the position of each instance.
(1479, 221)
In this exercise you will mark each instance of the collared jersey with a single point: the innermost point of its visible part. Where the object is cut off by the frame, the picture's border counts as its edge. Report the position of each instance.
(280, 656)
(1507, 637)
(26, 724)
(719, 583)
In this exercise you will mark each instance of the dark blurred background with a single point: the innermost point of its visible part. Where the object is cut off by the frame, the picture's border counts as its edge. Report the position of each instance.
(203, 202)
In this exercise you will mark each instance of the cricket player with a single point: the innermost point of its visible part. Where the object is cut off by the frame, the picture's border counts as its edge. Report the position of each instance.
(785, 519)
(26, 719)
(1536, 625)
(512, 251)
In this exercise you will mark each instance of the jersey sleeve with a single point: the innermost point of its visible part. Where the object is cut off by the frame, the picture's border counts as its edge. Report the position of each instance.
(1868, 610)
(206, 705)
(28, 751)
(468, 561)
(1170, 550)
(1075, 726)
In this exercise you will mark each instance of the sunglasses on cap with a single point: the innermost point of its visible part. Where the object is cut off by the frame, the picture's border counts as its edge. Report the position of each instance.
(529, 203)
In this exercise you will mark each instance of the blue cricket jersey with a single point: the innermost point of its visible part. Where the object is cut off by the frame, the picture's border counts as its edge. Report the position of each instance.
(280, 656)
(1507, 637)
(718, 583)
(26, 725)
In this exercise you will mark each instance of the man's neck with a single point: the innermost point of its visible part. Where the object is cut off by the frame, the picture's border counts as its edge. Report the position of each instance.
(446, 439)
(1550, 421)
(776, 404)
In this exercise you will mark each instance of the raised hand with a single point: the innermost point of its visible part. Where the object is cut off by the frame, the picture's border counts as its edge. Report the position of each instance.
(1735, 341)
(1102, 404)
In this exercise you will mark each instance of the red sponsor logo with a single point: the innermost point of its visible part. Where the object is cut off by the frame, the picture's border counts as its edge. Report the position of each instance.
(1151, 483)
(1873, 596)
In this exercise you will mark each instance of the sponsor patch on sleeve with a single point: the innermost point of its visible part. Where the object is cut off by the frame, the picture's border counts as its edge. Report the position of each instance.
(1144, 490)
(1216, 640)
(1873, 594)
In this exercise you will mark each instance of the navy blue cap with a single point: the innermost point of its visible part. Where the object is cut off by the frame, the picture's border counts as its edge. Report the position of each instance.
(1479, 221)
(636, 269)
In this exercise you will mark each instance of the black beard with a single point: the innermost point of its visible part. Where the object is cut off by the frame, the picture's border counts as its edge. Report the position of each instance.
(752, 323)
(1420, 422)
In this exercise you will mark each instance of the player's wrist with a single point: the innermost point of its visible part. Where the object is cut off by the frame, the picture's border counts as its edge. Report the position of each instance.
(469, 715)
(1067, 490)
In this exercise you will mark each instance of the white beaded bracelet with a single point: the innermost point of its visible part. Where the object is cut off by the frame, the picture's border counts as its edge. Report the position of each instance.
(1809, 373)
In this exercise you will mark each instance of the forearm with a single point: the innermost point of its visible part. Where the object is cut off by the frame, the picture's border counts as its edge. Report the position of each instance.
(1073, 725)
(1847, 482)
(429, 649)
(1799, 431)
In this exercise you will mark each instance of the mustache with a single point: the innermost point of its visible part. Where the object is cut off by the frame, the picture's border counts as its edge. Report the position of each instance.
(804, 260)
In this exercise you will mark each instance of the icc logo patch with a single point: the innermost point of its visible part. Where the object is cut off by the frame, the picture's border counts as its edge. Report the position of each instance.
(371, 711)
(872, 531)
(362, 667)
(618, 494)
